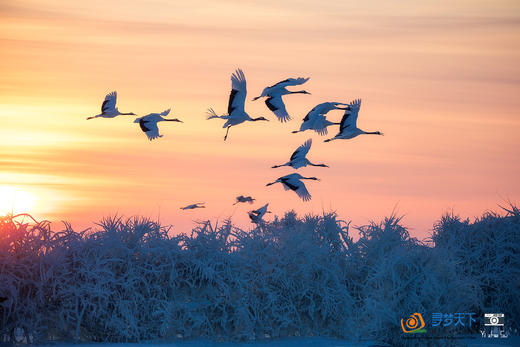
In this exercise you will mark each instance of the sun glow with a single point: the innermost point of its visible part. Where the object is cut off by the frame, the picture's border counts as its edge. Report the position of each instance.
(14, 200)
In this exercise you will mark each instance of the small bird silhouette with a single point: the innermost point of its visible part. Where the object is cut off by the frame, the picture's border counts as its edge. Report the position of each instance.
(274, 96)
(293, 182)
(242, 198)
(109, 109)
(298, 158)
(316, 120)
(194, 206)
(348, 127)
(149, 122)
(236, 114)
(257, 215)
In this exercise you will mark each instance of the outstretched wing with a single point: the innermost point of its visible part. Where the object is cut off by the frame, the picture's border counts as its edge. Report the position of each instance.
(289, 183)
(276, 105)
(298, 187)
(149, 128)
(290, 82)
(303, 193)
(350, 117)
(253, 215)
(165, 113)
(302, 151)
(262, 210)
(322, 131)
(315, 112)
(110, 102)
(325, 107)
(237, 98)
(318, 123)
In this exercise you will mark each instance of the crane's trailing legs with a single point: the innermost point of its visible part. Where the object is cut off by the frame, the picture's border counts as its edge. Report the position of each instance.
(227, 131)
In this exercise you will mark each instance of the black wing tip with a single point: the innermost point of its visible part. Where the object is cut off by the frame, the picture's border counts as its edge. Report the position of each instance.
(284, 119)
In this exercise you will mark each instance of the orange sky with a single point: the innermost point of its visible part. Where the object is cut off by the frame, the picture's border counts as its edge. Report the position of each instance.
(441, 79)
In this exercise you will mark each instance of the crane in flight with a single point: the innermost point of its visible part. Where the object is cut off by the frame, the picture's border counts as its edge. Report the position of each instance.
(257, 215)
(348, 126)
(294, 182)
(298, 158)
(149, 122)
(242, 198)
(109, 109)
(316, 120)
(236, 114)
(274, 95)
(194, 206)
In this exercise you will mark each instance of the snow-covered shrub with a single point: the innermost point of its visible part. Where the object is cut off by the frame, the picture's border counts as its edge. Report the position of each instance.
(488, 251)
(399, 276)
(25, 272)
(129, 280)
(297, 273)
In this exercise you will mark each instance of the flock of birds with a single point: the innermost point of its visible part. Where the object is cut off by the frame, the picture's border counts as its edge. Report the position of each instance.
(314, 120)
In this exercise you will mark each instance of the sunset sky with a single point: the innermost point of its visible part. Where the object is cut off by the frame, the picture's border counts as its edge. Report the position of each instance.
(441, 79)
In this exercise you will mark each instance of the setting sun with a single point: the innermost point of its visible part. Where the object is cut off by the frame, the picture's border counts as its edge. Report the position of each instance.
(14, 200)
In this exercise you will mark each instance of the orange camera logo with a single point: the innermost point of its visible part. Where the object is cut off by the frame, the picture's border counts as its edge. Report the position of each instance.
(414, 324)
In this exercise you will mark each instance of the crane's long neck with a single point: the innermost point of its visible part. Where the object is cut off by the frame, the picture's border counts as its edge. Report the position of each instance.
(320, 165)
(276, 166)
(127, 113)
(96, 116)
(372, 133)
(300, 92)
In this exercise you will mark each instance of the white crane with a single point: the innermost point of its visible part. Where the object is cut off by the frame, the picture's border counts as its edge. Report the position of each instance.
(274, 96)
(149, 122)
(257, 215)
(242, 198)
(109, 109)
(348, 128)
(194, 206)
(298, 158)
(236, 114)
(293, 182)
(315, 119)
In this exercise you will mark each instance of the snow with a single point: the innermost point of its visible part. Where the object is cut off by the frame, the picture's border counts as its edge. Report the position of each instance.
(131, 281)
